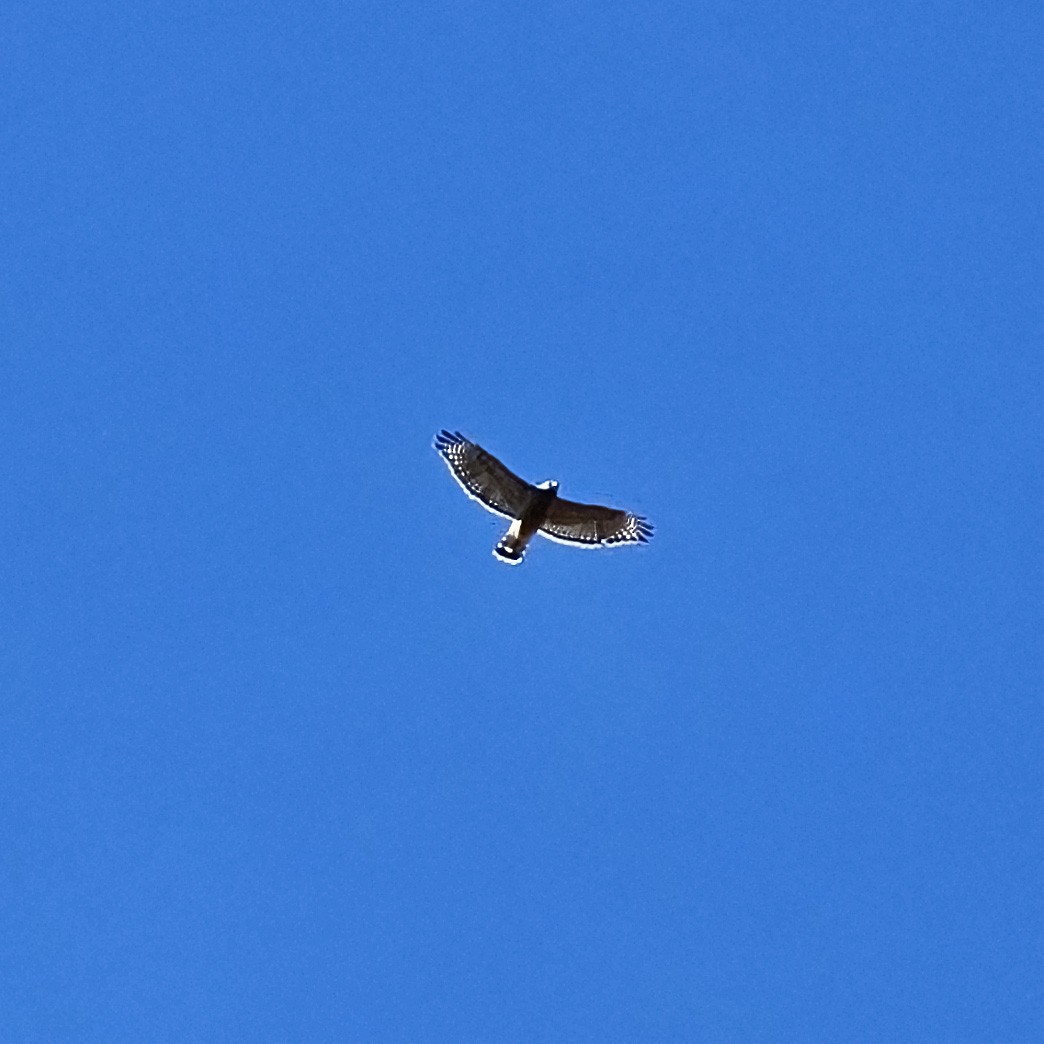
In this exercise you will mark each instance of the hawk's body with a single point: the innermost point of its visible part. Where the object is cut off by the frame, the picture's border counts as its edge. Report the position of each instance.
(534, 509)
(512, 546)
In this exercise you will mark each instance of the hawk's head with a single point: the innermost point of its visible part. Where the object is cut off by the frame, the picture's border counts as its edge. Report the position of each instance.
(549, 484)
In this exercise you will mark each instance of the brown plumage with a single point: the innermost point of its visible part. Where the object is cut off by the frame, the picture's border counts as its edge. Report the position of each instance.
(534, 509)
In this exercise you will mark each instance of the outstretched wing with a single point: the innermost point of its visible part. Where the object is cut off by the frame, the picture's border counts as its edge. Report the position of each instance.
(482, 476)
(590, 525)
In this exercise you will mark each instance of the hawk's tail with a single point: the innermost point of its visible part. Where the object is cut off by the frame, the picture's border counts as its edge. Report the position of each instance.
(508, 550)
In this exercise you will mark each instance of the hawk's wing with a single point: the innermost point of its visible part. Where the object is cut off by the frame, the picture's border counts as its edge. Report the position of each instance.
(590, 525)
(482, 476)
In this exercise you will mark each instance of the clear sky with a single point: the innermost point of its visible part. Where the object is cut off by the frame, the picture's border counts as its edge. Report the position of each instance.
(286, 754)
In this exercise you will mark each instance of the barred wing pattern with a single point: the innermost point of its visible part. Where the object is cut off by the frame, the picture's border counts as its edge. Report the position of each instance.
(590, 525)
(482, 476)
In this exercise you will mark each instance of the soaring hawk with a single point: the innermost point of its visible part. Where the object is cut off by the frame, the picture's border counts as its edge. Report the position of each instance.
(533, 509)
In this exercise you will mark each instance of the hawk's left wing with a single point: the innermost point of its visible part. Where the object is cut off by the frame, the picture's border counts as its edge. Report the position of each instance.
(591, 525)
(482, 476)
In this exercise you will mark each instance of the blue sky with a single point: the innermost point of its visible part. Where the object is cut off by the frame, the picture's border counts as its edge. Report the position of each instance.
(286, 754)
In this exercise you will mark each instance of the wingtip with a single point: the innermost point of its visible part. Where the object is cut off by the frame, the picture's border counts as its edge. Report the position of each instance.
(643, 529)
(444, 437)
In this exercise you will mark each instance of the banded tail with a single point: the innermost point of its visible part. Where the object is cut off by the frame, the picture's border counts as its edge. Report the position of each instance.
(511, 548)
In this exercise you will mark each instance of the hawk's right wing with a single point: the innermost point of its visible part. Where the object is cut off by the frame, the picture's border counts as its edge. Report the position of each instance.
(482, 476)
(591, 525)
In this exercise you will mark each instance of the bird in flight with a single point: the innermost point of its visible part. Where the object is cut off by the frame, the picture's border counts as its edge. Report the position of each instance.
(533, 509)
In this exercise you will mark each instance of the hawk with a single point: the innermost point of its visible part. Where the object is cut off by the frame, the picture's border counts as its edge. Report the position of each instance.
(533, 509)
